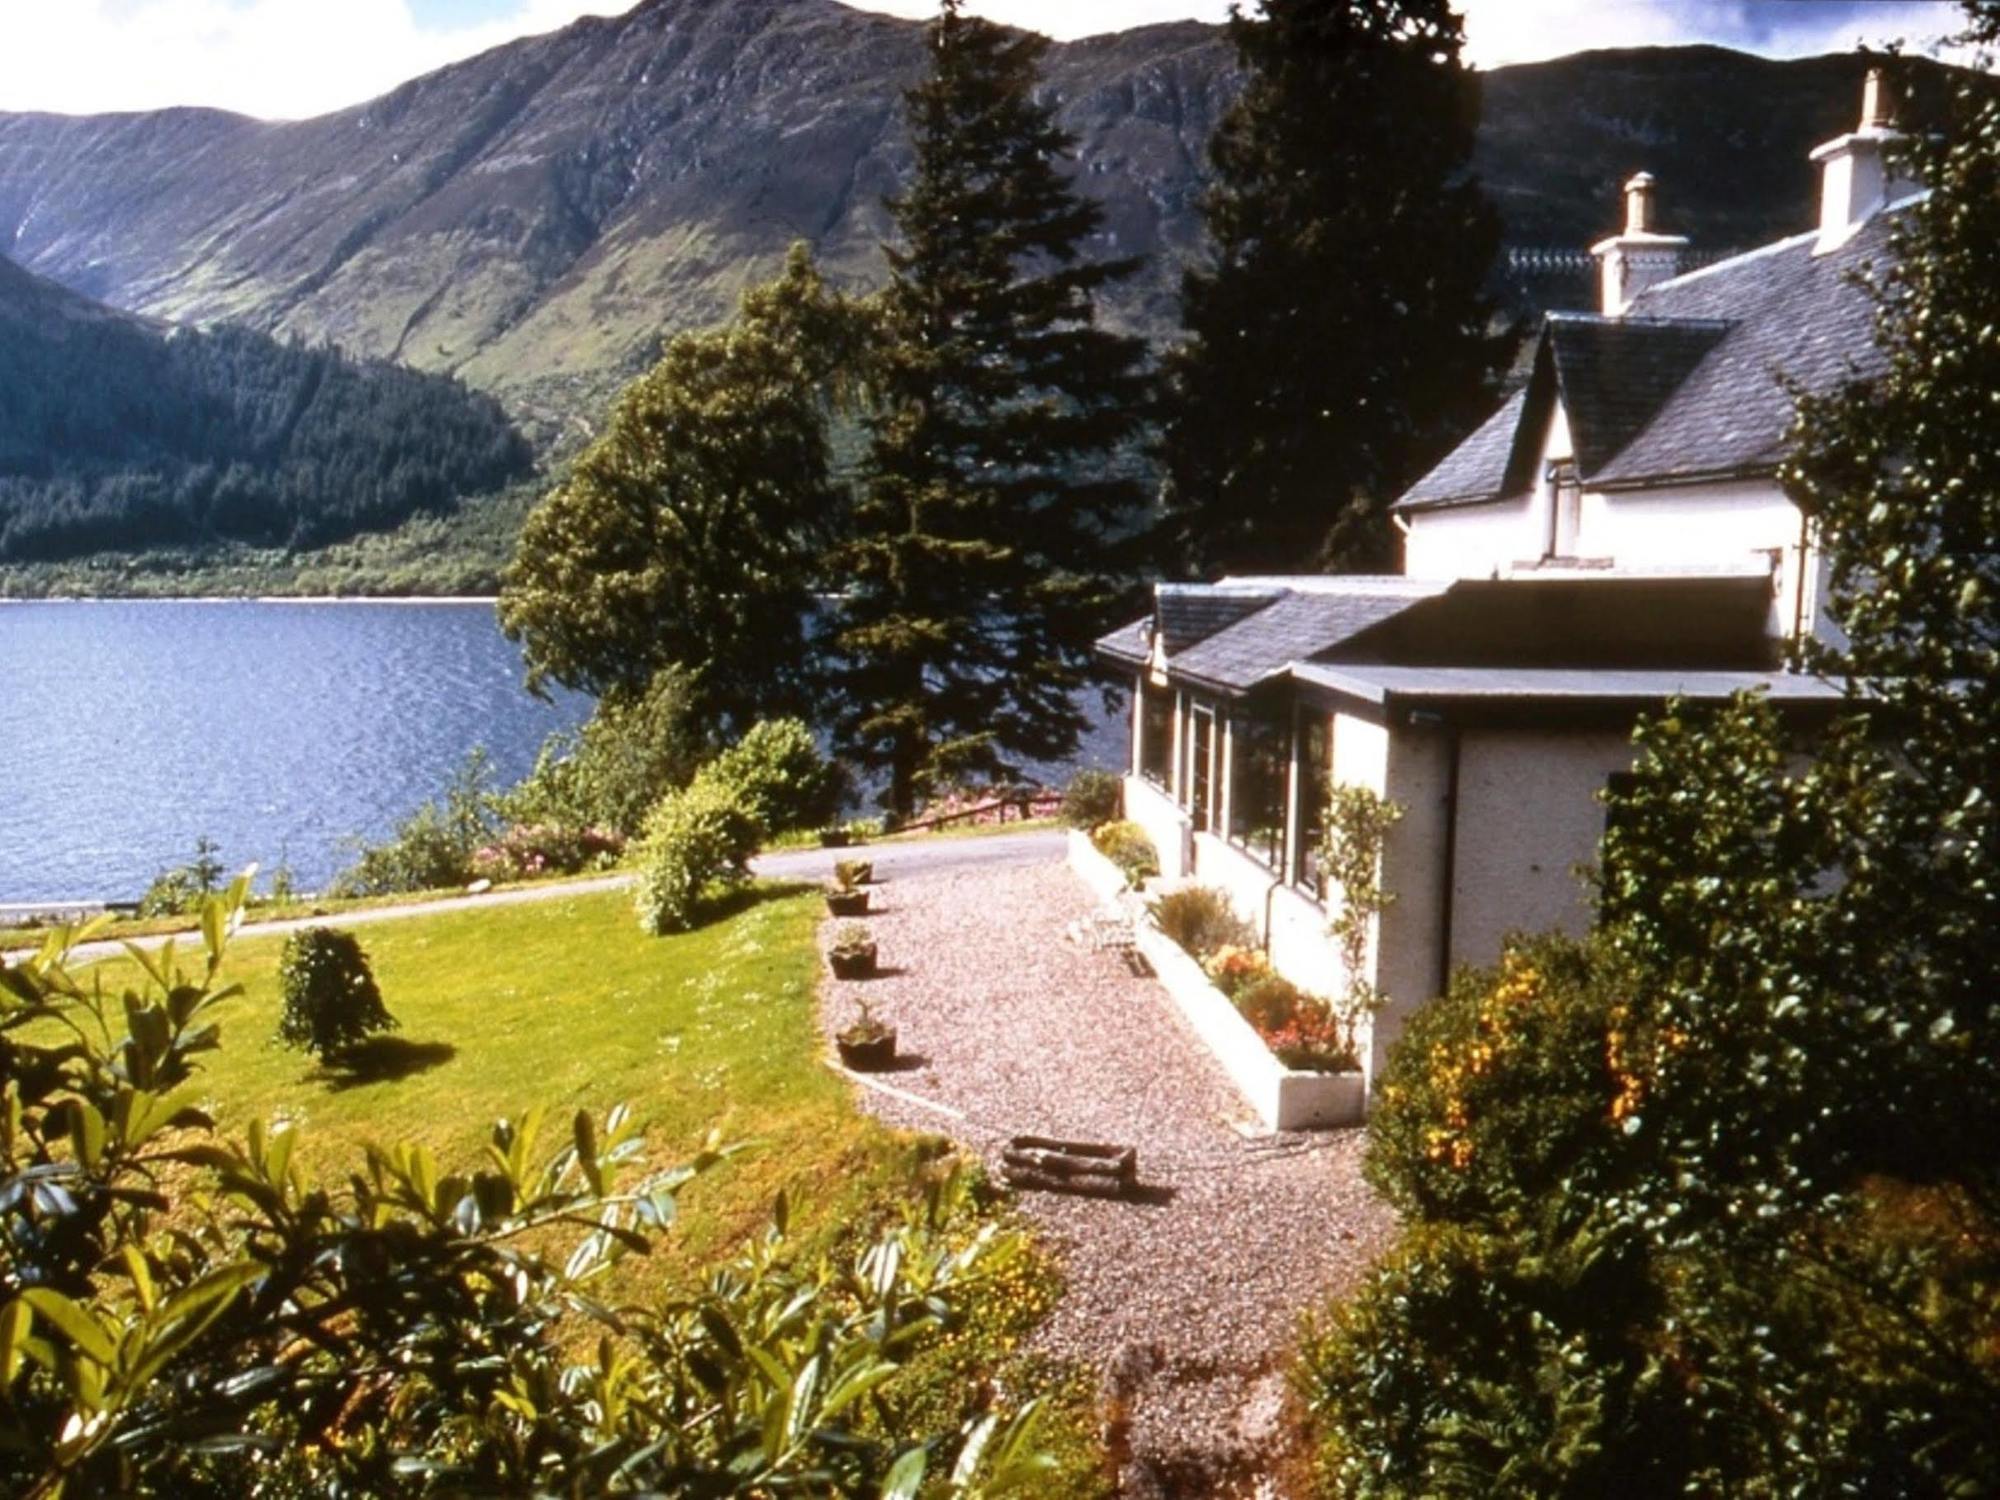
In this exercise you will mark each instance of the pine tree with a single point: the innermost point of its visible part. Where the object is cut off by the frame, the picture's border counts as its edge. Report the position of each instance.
(1338, 342)
(979, 567)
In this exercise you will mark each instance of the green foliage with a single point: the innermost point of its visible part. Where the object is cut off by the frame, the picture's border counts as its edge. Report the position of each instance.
(435, 846)
(414, 1329)
(1502, 1096)
(1201, 919)
(1129, 847)
(114, 435)
(1093, 797)
(776, 771)
(182, 889)
(1338, 342)
(1710, 1207)
(690, 534)
(330, 997)
(978, 566)
(1357, 824)
(634, 748)
(698, 842)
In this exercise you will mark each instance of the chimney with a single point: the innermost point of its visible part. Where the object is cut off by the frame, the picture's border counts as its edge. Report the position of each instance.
(1628, 263)
(1857, 176)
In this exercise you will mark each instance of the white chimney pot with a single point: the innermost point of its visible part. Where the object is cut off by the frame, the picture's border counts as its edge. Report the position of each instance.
(1640, 257)
(1857, 176)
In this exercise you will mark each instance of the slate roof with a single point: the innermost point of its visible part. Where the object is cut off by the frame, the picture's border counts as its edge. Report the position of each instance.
(1291, 628)
(1191, 612)
(1689, 384)
(1235, 634)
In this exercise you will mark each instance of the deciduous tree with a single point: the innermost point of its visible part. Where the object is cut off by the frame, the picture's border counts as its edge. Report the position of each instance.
(690, 534)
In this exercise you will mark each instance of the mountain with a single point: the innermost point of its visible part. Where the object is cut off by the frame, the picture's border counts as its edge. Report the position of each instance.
(117, 430)
(535, 218)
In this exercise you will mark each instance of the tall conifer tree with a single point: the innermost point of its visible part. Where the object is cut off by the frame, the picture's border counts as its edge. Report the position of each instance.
(980, 563)
(1338, 341)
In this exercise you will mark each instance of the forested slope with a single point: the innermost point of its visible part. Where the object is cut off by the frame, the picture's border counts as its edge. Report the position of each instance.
(116, 431)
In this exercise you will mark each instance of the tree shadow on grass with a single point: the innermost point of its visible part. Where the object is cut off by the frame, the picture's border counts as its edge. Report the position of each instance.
(733, 903)
(383, 1059)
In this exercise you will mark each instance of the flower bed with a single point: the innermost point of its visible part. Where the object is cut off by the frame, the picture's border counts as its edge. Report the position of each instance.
(1284, 1097)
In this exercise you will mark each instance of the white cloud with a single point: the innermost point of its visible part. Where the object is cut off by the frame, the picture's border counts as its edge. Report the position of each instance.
(1498, 32)
(282, 59)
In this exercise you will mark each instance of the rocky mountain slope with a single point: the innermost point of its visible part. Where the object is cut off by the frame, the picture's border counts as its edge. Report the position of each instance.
(534, 218)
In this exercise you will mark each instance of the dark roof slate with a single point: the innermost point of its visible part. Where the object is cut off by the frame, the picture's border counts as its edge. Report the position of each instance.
(1614, 375)
(1128, 644)
(1690, 383)
(1294, 627)
(1191, 612)
(1796, 315)
(1478, 468)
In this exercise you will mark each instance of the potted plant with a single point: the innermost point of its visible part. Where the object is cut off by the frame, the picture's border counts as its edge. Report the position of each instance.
(852, 955)
(833, 838)
(845, 897)
(869, 1045)
(853, 872)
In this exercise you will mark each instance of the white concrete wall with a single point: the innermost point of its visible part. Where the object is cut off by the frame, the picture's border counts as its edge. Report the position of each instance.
(1165, 824)
(1474, 541)
(1417, 779)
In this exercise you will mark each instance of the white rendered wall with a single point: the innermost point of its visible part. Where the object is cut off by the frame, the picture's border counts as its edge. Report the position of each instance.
(1528, 818)
(1474, 541)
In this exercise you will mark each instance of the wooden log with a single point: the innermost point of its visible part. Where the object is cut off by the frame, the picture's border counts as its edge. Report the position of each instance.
(1070, 1166)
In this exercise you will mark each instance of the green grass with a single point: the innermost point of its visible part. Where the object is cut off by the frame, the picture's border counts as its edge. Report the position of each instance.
(566, 1003)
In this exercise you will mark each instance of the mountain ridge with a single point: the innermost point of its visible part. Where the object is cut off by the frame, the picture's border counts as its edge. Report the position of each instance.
(535, 218)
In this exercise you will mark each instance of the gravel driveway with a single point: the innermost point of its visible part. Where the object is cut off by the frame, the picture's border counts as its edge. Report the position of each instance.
(1187, 1301)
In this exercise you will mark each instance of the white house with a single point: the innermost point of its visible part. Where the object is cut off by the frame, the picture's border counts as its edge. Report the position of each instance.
(1612, 537)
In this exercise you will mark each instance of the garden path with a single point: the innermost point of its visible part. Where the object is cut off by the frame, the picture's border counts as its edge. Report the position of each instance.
(1186, 1301)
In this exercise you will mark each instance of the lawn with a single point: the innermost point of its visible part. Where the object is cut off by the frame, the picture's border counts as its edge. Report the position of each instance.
(565, 1003)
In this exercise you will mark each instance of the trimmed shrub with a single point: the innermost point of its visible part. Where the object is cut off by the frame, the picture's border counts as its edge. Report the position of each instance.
(779, 776)
(1127, 846)
(330, 999)
(1270, 1002)
(1093, 798)
(696, 840)
(1201, 920)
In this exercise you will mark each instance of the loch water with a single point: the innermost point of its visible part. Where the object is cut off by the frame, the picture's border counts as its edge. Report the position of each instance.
(280, 729)
(128, 729)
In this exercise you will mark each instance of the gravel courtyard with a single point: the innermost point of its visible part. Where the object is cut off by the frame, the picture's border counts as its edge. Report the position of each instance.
(1187, 1300)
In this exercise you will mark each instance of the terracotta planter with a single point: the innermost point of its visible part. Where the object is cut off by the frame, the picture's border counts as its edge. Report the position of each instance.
(852, 965)
(847, 903)
(868, 1054)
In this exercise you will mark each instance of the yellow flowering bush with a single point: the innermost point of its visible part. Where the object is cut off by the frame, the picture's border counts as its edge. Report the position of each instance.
(1519, 1076)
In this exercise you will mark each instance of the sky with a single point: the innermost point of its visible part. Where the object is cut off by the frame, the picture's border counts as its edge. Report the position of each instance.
(286, 59)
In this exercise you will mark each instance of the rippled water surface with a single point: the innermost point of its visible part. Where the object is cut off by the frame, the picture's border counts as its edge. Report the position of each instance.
(280, 730)
(276, 729)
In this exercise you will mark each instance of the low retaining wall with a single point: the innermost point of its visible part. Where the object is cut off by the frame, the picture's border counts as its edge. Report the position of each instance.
(1106, 880)
(1284, 1098)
